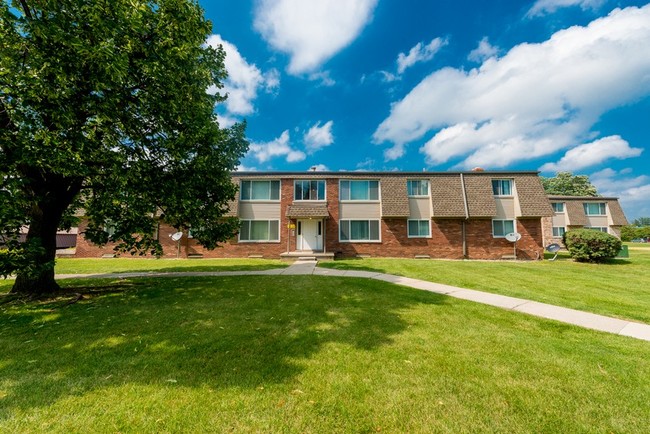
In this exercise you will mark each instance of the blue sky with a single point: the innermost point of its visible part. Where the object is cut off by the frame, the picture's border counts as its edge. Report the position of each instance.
(549, 85)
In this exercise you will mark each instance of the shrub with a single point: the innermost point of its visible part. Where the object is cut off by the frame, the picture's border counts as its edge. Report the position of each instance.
(588, 245)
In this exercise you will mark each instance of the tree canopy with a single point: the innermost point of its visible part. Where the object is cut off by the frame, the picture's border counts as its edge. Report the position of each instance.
(567, 184)
(104, 108)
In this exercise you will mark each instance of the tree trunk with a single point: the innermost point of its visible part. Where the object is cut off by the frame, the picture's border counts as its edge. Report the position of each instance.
(41, 242)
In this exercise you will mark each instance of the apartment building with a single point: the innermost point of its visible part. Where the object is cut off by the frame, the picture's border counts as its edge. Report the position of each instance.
(575, 212)
(451, 215)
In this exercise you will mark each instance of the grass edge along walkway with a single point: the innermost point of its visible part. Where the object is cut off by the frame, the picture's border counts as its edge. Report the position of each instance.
(570, 316)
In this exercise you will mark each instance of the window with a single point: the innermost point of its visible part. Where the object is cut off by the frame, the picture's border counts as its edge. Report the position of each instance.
(260, 190)
(558, 207)
(419, 228)
(597, 228)
(259, 230)
(359, 230)
(502, 227)
(417, 187)
(558, 231)
(502, 187)
(309, 190)
(359, 190)
(595, 208)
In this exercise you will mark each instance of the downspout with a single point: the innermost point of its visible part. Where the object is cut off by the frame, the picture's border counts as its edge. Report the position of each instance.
(464, 234)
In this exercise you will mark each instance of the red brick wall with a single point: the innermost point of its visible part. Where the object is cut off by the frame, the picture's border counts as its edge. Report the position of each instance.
(445, 242)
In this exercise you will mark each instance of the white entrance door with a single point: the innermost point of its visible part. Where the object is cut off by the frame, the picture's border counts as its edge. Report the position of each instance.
(310, 235)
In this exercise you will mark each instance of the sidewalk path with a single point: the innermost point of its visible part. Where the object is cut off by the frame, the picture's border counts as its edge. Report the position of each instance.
(543, 310)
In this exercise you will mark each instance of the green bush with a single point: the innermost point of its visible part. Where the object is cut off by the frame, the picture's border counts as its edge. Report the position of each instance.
(589, 245)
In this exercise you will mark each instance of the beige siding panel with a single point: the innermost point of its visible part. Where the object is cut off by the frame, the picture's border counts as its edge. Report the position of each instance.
(360, 211)
(600, 221)
(559, 219)
(505, 208)
(419, 208)
(259, 211)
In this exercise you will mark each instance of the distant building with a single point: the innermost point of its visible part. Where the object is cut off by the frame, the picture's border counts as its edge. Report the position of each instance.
(574, 212)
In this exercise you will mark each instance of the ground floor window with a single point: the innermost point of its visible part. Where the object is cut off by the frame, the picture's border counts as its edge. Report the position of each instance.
(558, 231)
(359, 230)
(419, 228)
(259, 230)
(502, 227)
(597, 228)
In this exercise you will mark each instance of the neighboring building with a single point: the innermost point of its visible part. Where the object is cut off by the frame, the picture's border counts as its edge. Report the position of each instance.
(451, 215)
(574, 212)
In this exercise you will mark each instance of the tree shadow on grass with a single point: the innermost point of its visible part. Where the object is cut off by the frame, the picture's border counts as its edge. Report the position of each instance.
(240, 331)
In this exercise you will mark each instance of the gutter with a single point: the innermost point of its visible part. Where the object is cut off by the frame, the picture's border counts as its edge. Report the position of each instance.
(464, 234)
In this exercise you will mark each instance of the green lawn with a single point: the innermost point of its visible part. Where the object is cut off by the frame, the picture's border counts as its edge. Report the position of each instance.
(307, 354)
(620, 288)
(121, 265)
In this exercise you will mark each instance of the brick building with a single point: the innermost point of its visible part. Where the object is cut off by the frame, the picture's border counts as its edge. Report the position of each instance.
(575, 212)
(451, 215)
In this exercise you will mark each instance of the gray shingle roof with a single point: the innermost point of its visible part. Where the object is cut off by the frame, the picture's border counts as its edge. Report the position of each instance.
(480, 198)
(447, 196)
(532, 197)
(307, 210)
(394, 199)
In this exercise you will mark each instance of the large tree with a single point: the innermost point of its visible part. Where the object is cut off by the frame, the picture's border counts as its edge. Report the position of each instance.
(104, 108)
(567, 184)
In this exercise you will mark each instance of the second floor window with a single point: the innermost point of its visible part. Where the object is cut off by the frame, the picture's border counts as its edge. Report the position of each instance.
(260, 190)
(502, 187)
(595, 208)
(359, 190)
(558, 207)
(309, 190)
(417, 187)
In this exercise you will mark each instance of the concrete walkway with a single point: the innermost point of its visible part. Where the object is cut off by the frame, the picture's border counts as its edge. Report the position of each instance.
(549, 311)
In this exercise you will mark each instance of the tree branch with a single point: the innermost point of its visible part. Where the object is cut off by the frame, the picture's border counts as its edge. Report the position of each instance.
(28, 13)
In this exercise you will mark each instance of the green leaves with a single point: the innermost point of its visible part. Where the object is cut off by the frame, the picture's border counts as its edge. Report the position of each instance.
(103, 104)
(567, 184)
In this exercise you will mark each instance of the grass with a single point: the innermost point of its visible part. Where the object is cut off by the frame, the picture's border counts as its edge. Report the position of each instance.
(122, 265)
(620, 288)
(307, 354)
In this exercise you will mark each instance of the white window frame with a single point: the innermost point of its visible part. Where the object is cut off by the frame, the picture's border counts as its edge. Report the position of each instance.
(348, 222)
(555, 205)
(498, 190)
(602, 208)
(342, 199)
(317, 189)
(556, 233)
(514, 227)
(420, 183)
(251, 181)
(242, 222)
(408, 228)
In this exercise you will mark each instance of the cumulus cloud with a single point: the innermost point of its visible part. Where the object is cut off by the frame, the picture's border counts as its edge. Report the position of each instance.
(279, 147)
(244, 79)
(633, 191)
(534, 101)
(319, 168)
(594, 153)
(311, 32)
(484, 51)
(419, 53)
(318, 137)
(544, 7)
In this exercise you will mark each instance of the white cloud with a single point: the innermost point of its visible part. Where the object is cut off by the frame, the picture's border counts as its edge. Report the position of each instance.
(311, 32)
(324, 78)
(226, 121)
(242, 168)
(484, 51)
(591, 154)
(244, 79)
(419, 53)
(280, 147)
(318, 137)
(534, 101)
(633, 192)
(543, 7)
